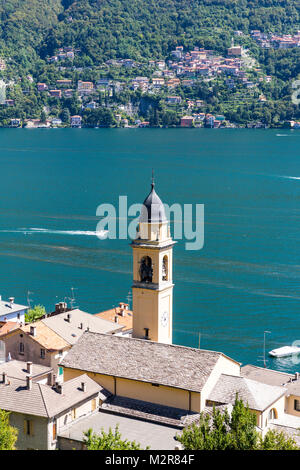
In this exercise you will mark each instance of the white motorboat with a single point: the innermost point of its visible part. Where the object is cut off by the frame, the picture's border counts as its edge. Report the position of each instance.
(285, 351)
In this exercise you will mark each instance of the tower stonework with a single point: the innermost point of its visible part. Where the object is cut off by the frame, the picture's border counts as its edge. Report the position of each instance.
(152, 290)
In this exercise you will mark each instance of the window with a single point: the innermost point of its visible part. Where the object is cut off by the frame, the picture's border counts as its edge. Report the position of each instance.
(165, 268)
(146, 269)
(297, 405)
(94, 404)
(28, 427)
(21, 348)
(43, 353)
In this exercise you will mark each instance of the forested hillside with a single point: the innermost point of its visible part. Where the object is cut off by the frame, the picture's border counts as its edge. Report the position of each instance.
(33, 32)
(136, 28)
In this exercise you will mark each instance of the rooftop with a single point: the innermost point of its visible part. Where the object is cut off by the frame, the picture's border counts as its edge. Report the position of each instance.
(124, 316)
(258, 396)
(154, 435)
(45, 336)
(6, 326)
(72, 324)
(43, 400)
(265, 376)
(146, 361)
(7, 308)
(18, 369)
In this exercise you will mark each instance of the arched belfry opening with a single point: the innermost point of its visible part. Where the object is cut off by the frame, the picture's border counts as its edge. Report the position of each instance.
(165, 268)
(146, 269)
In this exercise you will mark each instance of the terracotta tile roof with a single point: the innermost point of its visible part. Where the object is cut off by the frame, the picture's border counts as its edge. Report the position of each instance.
(46, 337)
(124, 315)
(72, 324)
(141, 360)
(6, 326)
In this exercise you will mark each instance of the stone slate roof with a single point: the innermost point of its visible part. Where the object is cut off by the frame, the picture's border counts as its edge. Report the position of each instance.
(266, 376)
(18, 369)
(149, 411)
(71, 331)
(258, 396)
(142, 360)
(43, 400)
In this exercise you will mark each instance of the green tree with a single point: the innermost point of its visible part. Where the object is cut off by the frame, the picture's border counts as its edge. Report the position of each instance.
(35, 313)
(277, 441)
(235, 432)
(8, 434)
(108, 441)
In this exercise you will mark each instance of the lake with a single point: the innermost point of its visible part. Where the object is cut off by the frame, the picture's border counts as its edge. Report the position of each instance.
(245, 280)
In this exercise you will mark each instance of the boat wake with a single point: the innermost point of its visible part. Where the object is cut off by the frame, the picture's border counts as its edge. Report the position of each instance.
(33, 230)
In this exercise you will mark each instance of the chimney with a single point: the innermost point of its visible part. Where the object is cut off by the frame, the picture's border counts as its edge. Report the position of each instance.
(53, 380)
(29, 367)
(59, 388)
(33, 330)
(4, 378)
(69, 316)
(116, 319)
(28, 382)
(11, 301)
(83, 386)
(296, 375)
(81, 326)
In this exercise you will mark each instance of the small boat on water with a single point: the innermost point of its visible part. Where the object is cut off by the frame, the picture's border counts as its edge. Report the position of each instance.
(285, 351)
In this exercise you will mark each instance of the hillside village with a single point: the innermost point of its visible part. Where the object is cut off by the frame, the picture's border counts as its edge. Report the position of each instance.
(179, 91)
(69, 371)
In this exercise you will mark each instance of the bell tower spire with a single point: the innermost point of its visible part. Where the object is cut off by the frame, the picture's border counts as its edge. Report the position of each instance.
(152, 290)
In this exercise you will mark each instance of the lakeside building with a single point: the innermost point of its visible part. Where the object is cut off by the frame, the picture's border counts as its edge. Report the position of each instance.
(10, 311)
(48, 340)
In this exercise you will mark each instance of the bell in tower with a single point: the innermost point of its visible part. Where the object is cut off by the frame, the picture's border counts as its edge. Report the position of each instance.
(152, 290)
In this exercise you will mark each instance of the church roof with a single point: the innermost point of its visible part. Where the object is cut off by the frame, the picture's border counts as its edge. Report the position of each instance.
(153, 209)
(142, 360)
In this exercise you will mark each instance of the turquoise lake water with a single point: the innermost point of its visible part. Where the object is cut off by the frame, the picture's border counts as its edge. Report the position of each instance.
(245, 280)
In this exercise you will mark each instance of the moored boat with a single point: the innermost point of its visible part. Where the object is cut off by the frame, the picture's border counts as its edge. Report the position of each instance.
(285, 351)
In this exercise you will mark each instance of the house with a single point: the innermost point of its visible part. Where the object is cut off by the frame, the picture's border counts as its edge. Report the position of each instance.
(91, 105)
(76, 121)
(266, 401)
(55, 93)
(235, 51)
(42, 87)
(47, 341)
(37, 343)
(121, 315)
(6, 326)
(9, 102)
(15, 122)
(20, 370)
(72, 324)
(162, 374)
(173, 99)
(56, 122)
(291, 382)
(40, 411)
(187, 121)
(85, 88)
(10, 311)
(63, 83)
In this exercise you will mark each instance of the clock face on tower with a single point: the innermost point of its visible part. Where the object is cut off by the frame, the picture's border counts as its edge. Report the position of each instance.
(164, 319)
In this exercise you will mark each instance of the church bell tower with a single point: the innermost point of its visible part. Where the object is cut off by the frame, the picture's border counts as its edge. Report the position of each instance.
(152, 290)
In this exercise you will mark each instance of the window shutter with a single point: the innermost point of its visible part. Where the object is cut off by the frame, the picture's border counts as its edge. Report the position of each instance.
(31, 428)
(25, 426)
